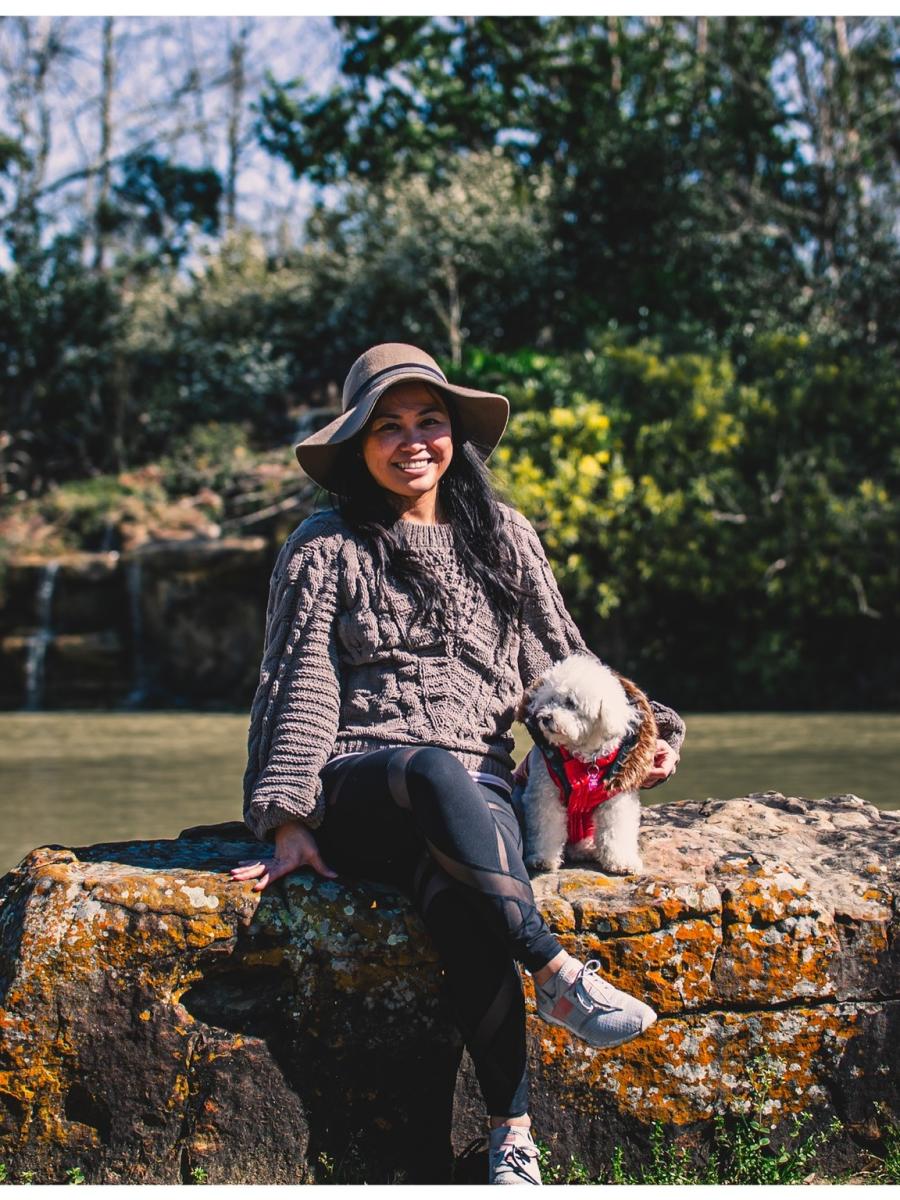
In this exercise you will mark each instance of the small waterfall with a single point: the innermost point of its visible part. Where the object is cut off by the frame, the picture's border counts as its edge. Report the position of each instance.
(40, 640)
(109, 538)
(140, 683)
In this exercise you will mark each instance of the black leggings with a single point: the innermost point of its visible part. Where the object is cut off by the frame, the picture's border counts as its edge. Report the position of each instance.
(415, 817)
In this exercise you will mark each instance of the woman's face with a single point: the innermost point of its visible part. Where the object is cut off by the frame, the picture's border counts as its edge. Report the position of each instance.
(407, 444)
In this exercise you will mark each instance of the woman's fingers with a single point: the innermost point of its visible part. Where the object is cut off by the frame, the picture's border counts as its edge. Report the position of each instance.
(266, 871)
(250, 871)
(322, 867)
(665, 760)
(653, 777)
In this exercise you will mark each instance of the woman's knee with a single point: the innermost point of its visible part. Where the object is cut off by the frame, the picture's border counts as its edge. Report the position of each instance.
(433, 773)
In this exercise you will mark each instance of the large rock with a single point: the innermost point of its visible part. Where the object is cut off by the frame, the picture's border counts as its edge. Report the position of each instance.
(201, 611)
(87, 593)
(173, 622)
(158, 1017)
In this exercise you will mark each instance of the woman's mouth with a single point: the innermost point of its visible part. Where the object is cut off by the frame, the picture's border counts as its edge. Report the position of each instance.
(413, 466)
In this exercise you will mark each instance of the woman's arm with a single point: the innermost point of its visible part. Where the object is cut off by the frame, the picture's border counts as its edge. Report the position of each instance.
(548, 632)
(295, 712)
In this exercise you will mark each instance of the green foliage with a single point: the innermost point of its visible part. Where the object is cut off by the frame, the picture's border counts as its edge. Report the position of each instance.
(75, 1175)
(199, 1175)
(888, 1167)
(211, 482)
(670, 151)
(574, 1171)
(207, 455)
(744, 1149)
(437, 262)
(212, 348)
(164, 201)
(326, 1163)
(60, 326)
(716, 533)
(671, 242)
(669, 1165)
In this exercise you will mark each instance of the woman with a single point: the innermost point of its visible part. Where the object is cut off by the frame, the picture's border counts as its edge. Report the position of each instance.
(402, 629)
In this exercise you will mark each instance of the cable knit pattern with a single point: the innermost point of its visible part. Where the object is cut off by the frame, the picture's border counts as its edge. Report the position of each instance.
(346, 668)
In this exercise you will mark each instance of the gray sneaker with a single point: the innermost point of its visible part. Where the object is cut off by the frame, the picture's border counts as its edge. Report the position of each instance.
(512, 1156)
(592, 1008)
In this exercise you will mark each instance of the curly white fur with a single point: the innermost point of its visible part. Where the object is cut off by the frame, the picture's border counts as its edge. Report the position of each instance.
(581, 705)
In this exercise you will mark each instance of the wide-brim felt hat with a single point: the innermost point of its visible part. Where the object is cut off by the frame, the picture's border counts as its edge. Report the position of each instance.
(482, 416)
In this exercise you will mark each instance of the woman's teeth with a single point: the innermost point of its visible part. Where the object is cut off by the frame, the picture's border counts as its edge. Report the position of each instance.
(413, 465)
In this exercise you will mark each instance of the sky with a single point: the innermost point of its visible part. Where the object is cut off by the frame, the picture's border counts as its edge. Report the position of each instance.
(156, 60)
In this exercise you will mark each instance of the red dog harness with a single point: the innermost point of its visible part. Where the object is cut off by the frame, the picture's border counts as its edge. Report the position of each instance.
(581, 786)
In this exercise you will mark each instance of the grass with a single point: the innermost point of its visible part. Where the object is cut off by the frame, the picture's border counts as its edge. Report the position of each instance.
(743, 1152)
(887, 1169)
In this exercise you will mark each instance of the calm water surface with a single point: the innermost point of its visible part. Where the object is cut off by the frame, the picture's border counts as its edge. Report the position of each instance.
(77, 778)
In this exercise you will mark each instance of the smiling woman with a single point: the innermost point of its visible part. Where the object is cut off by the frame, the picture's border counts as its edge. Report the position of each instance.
(402, 628)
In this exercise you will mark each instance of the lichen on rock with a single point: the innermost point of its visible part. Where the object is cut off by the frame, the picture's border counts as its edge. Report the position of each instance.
(158, 1016)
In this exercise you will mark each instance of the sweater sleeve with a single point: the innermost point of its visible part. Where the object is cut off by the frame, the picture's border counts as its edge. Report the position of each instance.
(548, 632)
(295, 711)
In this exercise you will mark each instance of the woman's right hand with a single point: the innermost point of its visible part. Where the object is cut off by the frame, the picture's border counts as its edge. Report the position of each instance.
(295, 847)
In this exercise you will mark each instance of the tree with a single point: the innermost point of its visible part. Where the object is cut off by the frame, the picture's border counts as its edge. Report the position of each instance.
(443, 262)
(844, 100)
(710, 173)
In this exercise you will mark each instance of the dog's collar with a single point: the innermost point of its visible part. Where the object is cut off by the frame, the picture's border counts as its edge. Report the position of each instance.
(609, 763)
(596, 766)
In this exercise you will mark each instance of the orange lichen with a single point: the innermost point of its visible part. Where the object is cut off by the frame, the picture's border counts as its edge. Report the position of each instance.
(758, 936)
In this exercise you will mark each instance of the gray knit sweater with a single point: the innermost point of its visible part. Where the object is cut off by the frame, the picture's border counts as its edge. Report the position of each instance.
(345, 668)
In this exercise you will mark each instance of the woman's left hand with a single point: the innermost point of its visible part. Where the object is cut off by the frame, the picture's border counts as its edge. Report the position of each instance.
(665, 760)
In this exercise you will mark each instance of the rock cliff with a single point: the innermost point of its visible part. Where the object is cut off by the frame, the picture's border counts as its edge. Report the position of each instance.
(169, 622)
(157, 1017)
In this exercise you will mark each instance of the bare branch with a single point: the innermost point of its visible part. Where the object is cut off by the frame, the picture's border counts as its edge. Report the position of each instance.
(861, 600)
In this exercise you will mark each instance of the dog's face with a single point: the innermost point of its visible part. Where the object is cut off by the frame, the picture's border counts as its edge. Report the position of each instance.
(580, 704)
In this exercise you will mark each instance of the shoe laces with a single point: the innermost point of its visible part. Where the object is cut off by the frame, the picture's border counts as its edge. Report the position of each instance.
(595, 988)
(517, 1157)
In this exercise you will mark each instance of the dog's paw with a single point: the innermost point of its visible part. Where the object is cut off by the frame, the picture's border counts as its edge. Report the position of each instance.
(583, 851)
(539, 865)
(620, 865)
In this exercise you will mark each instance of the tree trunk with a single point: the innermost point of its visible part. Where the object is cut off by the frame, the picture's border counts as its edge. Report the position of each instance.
(106, 92)
(616, 59)
(237, 55)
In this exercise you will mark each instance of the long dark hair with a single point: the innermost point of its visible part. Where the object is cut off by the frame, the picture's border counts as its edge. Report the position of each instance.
(469, 502)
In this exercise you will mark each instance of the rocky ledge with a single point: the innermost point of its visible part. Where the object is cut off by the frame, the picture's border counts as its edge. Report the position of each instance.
(158, 1018)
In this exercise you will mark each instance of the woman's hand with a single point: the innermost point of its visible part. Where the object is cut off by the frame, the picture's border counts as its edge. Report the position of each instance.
(665, 760)
(295, 847)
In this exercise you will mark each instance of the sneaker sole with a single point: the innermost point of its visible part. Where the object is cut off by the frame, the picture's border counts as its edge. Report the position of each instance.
(595, 1045)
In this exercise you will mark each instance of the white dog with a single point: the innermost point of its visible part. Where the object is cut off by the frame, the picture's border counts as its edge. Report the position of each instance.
(595, 737)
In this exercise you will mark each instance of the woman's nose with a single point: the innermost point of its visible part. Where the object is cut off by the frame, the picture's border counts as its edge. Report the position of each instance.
(413, 437)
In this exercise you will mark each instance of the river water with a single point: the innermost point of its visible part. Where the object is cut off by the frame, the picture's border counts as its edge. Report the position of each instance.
(77, 778)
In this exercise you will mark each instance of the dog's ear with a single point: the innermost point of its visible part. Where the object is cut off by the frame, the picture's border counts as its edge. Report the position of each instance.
(640, 758)
(527, 697)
